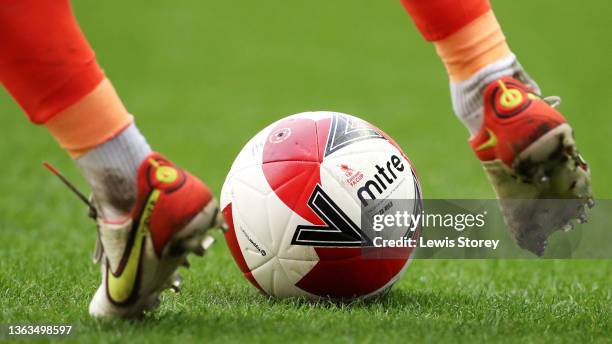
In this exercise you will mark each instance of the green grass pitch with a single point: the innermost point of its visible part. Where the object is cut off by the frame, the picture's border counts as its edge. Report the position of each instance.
(202, 77)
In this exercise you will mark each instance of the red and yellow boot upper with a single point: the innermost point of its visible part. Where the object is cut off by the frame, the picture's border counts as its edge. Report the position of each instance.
(169, 197)
(514, 118)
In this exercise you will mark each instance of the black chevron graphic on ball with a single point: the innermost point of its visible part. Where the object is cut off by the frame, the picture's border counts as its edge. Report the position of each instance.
(338, 230)
(345, 131)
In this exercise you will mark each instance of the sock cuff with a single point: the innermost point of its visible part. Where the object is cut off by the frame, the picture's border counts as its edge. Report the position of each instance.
(476, 45)
(128, 147)
(507, 66)
(93, 120)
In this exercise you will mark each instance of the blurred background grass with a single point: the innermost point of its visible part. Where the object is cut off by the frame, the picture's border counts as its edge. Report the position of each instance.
(202, 77)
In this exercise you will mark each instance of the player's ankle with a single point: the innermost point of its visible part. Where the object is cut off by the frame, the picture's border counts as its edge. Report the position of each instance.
(111, 171)
(474, 56)
(467, 95)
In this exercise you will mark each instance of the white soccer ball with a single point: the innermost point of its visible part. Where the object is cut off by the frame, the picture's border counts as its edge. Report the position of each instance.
(292, 201)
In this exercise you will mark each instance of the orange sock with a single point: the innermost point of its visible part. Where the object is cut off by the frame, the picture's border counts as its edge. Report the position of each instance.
(476, 45)
(91, 121)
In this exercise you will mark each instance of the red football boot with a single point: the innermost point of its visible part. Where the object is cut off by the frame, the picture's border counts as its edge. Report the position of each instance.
(529, 154)
(172, 217)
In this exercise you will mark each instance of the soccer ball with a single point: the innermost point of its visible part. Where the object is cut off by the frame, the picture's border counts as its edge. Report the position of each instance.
(292, 203)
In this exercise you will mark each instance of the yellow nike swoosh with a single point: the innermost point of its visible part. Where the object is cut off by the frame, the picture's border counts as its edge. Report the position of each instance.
(120, 287)
(491, 142)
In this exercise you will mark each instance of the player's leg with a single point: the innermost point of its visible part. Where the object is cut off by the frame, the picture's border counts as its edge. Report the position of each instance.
(150, 213)
(525, 145)
(473, 48)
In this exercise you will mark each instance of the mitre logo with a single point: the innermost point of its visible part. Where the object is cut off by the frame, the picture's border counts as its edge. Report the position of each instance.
(385, 176)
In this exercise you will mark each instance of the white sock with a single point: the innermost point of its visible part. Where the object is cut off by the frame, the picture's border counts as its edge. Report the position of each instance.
(110, 170)
(467, 95)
